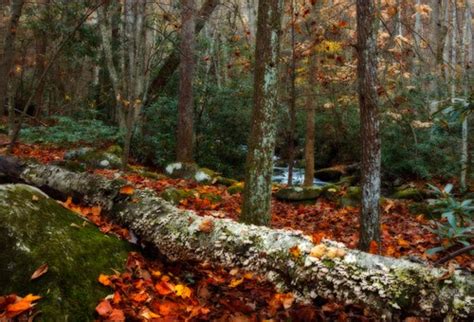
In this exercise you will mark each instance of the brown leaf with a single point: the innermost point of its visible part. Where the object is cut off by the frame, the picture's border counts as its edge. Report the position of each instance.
(116, 315)
(206, 226)
(39, 271)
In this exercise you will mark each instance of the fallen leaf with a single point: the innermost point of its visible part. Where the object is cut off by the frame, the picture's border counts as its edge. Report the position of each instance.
(35, 198)
(295, 251)
(235, 282)
(116, 315)
(40, 271)
(104, 280)
(206, 226)
(318, 251)
(127, 190)
(182, 290)
(164, 288)
(104, 308)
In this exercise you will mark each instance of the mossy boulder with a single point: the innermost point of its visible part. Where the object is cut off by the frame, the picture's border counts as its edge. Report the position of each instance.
(191, 171)
(408, 193)
(174, 195)
(228, 182)
(331, 192)
(352, 197)
(94, 158)
(35, 230)
(329, 174)
(236, 188)
(298, 193)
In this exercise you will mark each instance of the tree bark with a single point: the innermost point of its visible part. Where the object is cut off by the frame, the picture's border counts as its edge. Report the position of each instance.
(9, 51)
(172, 62)
(391, 287)
(369, 116)
(310, 124)
(292, 105)
(185, 132)
(256, 207)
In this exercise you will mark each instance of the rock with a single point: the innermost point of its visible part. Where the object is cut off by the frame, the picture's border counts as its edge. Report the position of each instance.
(352, 197)
(334, 174)
(409, 193)
(36, 230)
(94, 158)
(298, 193)
(191, 171)
(225, 181)
(348, 181)
(115, 150)
(330, 192)
(174, 195)
(236, 188)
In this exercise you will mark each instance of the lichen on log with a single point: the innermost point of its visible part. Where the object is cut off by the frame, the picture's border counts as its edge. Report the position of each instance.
(389, 286)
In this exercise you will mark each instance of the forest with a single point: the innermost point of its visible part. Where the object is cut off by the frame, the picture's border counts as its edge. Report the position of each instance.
(236, 160)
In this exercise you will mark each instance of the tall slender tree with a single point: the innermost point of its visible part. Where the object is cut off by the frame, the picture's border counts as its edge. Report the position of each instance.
(185, 135)
(256, 207)
(367, 27)
(6, 60)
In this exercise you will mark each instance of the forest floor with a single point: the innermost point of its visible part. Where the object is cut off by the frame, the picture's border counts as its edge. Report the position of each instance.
(152, 288)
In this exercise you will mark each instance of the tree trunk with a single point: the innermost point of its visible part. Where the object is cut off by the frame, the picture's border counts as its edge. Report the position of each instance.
(369, 116)
(261, 146)
(310, 124)
(185, 133)
(9, 51)
(172, 62)
(465, 61)
(292, 110)
(391, 287)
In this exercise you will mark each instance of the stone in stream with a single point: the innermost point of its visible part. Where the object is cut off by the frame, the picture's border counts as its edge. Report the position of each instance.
(35, 230)
(299, 193)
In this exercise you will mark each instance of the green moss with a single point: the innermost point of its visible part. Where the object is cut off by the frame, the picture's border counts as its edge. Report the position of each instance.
(236, 188)
(34, 232)
(174, 195)
(225, 181)
(409, 193)
(328, 263)
(211, 197)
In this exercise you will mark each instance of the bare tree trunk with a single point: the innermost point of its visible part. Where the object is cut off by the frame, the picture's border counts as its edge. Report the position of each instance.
(466, 60)
(369, 116)
(292, 110)
(9, 51)
(310, 125)
(256, 206)
(185, 133)
(172, 62)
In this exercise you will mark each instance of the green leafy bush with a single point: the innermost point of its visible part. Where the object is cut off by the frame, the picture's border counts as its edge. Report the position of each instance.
(457, 226)
(68, 130)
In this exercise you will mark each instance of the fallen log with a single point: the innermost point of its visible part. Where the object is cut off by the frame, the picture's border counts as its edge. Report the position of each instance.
(391, 287)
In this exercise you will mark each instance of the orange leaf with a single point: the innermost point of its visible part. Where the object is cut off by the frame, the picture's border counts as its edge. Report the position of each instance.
(127, 190)
(206, 225)
(104, 308)
(139, 297)
(295, 251)
(39, 271)
(117, 298)
(116, 315)
(164, 288)
(403, 243)
(104, 280)
(235, 282)
(374, 247)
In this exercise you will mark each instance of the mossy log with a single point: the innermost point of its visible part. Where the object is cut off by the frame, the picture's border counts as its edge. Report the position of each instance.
(391, 287)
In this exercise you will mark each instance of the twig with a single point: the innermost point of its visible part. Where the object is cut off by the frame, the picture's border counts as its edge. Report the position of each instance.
(454, 254)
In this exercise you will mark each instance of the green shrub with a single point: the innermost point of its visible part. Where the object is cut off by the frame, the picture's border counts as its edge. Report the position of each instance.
(68, 130)
(458, 227)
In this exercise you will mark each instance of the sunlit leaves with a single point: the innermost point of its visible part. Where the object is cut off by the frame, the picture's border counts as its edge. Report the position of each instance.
(13, 305)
